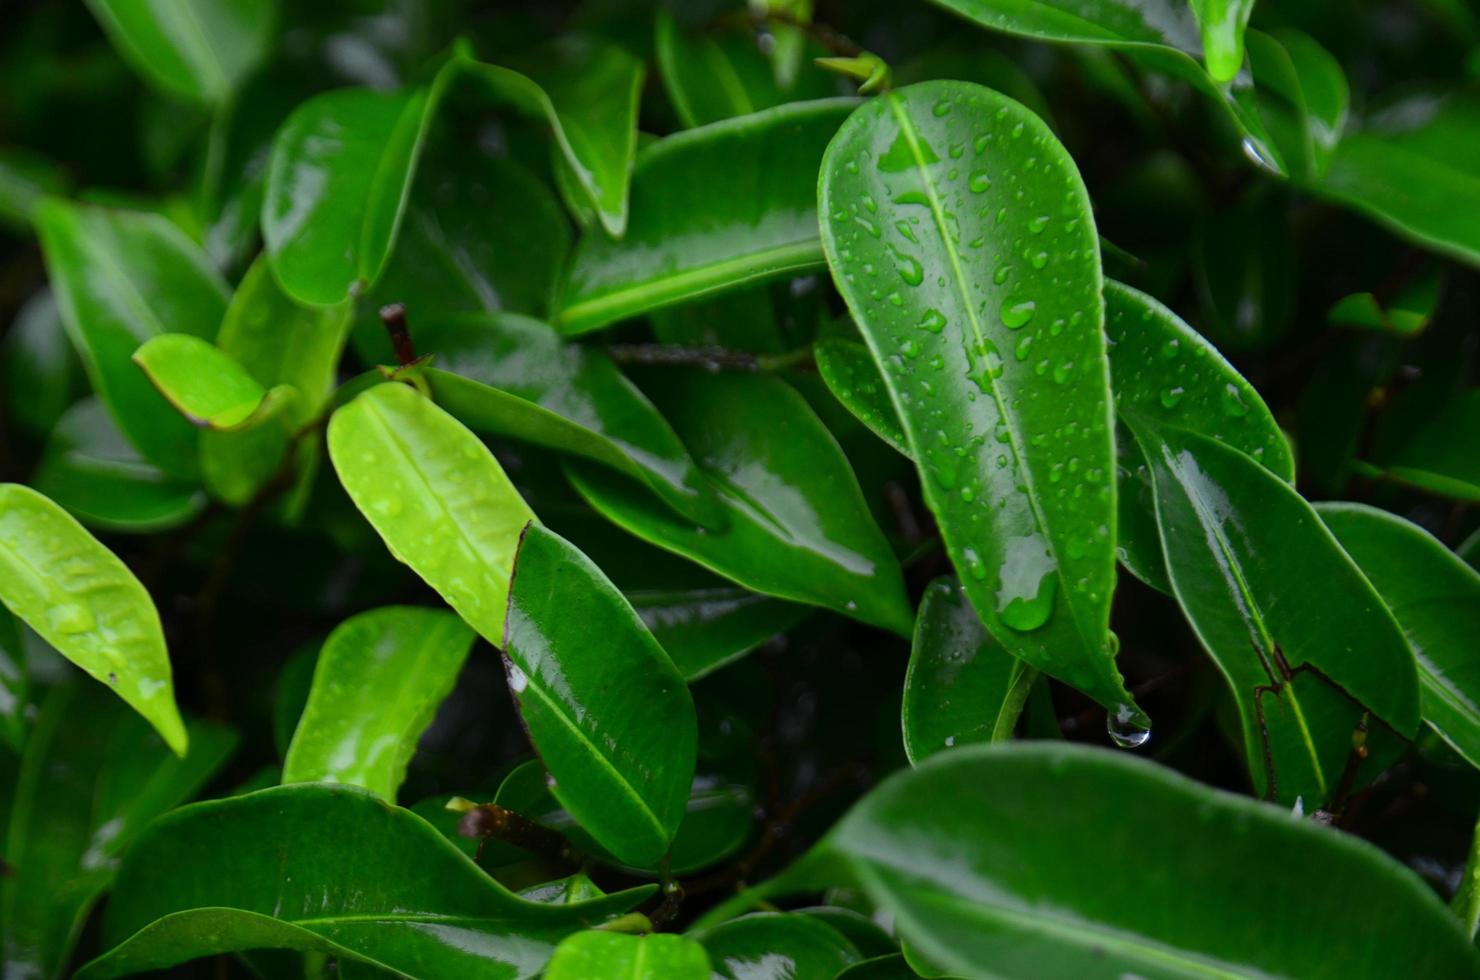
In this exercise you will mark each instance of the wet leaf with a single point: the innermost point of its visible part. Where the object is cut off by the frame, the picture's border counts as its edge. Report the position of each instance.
(199, 51)
(850, 373)
(616, 956)
(78, 597)
(775, 946)
(1221, 24)
(702, 630)
(204, 385)
(376, 687)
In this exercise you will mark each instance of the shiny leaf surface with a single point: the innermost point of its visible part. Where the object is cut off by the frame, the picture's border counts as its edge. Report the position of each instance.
(204, 385)
(615, 956)
(976, 283)
(796, 526)
(994, 861)
(961, 686)
(81, 599)
(1221, 24)
(772, 946)
(702, 630)
(606, 709)
(693, 231)
(436, 495)
(296, 877)
(199, 51)
(376, 687)
(1435, 597)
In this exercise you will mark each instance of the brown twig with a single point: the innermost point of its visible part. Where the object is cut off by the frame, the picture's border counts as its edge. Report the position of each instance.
(393, 315)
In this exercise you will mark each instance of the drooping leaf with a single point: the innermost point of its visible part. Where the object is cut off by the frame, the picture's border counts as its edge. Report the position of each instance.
(609, 714)
(1435, 597)
(1306, 645)
(976, 283)
(994, 861)
(436, 495)
(506, 374)
(92, 470)
(961, 686)
(199, 51)
(1443, 453)
(121, 278)
(1221, 24)
(797, 526)
(296, 876)
(93, 777)
(693, 230)
(775, 946)
(82, 600)
(376, 687)
(617, 956)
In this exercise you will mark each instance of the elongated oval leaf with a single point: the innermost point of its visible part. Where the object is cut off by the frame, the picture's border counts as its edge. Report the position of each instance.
(615, 956)
(297, 877)
(204, 385)
(693, 230)
(961, 686)
(1436, 599)
(121, 278)
(436, 495)
(199, 50)
(974, 277)
(1305, 643)
(510, 375)
(1221, 24)
(93, 777)
(797, 526)
(606, 709)
(771, 946)
(376, 688)
(81, 599)
(1443, 453)
(995, 860)
(849, 371)
(702, 630)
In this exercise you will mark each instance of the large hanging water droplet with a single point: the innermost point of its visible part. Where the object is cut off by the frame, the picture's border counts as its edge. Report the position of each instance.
(1127, 727)
(1017, 312)
(70, 618)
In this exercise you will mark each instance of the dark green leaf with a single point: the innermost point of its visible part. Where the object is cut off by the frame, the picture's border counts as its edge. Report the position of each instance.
(1443, 454)
(199, 50)
(852, 375)
(771, 946)
(25, 178)
(15, 687)
(1406, 313)
(702, 630)
(616, 956)
(995, 861)
(39, 372)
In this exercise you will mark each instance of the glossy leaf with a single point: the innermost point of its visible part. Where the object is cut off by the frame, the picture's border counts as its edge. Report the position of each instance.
(199, 51)
(1221, 24)
(239, 461)
(607, 711)
(509, 375)
(1303, 98)
(1411, 169)
(1435, 597)
(297, 877)
(702, 630)
(93, 778)
(976, 284)
(797, 526)
(376, 687)
(1304, 642)
(961, 686)
(436, 495)
(1443, 453)
(994, 861)
(772, 946)
(693, 231)
(617, 956)
(891, 966)
(851, 374)
(121, 278)
(204, 385)
(92, 470)
(82, 600)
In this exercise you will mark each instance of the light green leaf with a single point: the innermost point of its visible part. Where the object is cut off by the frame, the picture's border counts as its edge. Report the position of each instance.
(693, 230)
(1221, 24)
(376, 687)
(436, 496)
(976, 283)
(204, 385)
(1405, 314)
(200, 50)
(81, 599)
(994, 861)
(617, 956)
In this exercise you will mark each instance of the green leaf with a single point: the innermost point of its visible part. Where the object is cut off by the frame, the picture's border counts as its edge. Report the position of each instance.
(797, 526)
(15, 686)
(1406, 314)
(849, 371)
(1443, 453)
(1002, 855)
(702, 630)
(200, 51)
(326, 869)
(509, 375)
(40, 374)
(93, 777)
(1001, 376)
(121, 278)
(204, 385)
(1306, 645)
(1303, 97)
(1411, 169)
(1164, 370)
(436, 495)
(81, 599)
(25, 178)
(694, 230)
(961, 686)
(92, 470)
(1435, 597)
(606, 709)
(1221, 24)
(616, 956)
(377, 685)
(239, 461)
(772, 946)
(891, 966)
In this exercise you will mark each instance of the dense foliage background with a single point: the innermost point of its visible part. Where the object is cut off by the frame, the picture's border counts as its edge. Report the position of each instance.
(786, 489)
